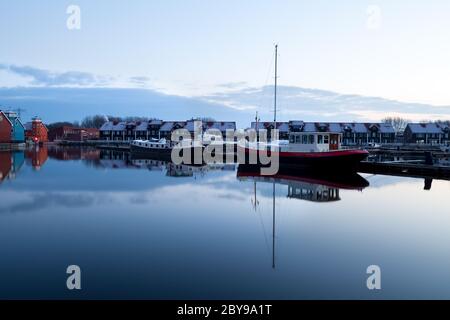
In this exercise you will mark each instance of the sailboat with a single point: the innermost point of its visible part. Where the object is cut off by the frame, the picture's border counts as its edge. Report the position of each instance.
(322, 148)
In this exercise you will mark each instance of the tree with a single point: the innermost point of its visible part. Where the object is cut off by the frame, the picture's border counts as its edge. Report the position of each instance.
(399, 124)
(94, 121)
(61, 124)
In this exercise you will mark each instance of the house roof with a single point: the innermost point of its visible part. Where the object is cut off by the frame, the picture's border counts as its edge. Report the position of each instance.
(168, 125)
(281, 126)
(143, 126)
(429, 127)
(113, 126)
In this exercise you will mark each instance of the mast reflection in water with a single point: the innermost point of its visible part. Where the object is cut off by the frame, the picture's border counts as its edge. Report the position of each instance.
(143, 228)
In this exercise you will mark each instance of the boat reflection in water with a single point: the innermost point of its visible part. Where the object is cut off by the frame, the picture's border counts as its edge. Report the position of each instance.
(302, 184)
(307, 185)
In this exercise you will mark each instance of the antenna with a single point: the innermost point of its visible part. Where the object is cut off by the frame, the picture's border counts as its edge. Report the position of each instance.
(19, 111)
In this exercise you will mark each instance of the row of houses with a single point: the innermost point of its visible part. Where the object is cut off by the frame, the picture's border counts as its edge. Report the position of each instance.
(12, 130)
(127, 131)
(352, 133)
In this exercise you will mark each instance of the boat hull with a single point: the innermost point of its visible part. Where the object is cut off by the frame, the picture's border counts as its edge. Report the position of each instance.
(324, 161)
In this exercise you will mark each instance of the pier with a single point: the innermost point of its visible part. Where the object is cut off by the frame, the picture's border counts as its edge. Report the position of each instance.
(407, 169)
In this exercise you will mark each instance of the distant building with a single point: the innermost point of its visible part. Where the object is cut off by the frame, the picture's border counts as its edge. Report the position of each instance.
(113, 130)
(170, 126)
(36, 131)
(132, 130)
(69, 133)
(427, 133)
(283, 128)
(352, 133)
(11, 128)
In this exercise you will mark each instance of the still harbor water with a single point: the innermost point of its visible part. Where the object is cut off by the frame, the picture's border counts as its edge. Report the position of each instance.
(149, 229)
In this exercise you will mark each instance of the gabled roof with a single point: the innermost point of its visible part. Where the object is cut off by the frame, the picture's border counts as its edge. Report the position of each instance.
(281, 126)
(168, 125)
(5, 117)
(429, 127)
(143, 126)
(113, 126)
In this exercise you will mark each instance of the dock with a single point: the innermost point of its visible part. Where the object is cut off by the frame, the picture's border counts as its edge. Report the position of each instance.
(416, 170)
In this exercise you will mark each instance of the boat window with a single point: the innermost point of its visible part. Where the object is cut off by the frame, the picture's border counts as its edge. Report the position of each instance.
(311, 139)
(292, 138)
(319, 139)
(325, 139)
(297, 139)
(304, 139)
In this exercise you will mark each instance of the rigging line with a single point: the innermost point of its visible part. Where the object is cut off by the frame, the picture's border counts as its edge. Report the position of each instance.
(264, 92)
(264, 230)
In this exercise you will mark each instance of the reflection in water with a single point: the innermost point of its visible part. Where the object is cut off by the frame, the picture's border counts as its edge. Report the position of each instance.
(179, 232)
(302, 185)
(305, 185)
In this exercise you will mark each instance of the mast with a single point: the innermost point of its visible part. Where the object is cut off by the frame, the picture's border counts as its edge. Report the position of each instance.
(275, 88)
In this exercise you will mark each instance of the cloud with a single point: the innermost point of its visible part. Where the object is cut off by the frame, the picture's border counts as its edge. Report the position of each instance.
(140, 81)
(321, 105)
(232, 85)
(42, 77)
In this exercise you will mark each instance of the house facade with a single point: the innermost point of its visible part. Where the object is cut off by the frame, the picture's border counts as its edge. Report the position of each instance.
(427, 133)
(156, 129)
(69, 133)
(36, 131)
(11, 128)
(352, 133)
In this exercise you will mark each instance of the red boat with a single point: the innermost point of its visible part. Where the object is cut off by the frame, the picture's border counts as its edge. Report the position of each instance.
(321, 150)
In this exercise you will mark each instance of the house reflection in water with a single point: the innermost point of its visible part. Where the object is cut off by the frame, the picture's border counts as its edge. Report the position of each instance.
(36, 156)
(313, 192)
(10, 163)
(307, 186)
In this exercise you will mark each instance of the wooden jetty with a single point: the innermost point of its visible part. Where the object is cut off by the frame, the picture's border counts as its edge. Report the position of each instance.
(407, 169)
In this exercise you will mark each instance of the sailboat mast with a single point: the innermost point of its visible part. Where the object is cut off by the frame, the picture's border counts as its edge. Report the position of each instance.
(275, 89)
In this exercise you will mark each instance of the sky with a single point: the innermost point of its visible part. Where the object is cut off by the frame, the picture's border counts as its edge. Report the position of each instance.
(397, 50)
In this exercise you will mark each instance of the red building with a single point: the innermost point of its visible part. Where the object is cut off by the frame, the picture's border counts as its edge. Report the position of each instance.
(69, 133)
(36, 131)
(5, 128)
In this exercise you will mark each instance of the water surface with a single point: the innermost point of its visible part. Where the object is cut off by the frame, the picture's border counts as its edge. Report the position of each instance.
(147, 229)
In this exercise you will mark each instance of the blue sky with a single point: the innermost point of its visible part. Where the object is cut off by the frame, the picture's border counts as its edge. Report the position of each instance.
(197, 48)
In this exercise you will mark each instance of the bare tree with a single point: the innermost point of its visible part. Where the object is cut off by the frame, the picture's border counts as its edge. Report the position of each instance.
(399, 124)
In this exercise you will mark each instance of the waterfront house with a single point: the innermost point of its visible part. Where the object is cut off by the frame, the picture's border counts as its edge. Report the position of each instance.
(11, 128)
(212, 126)
(352, 133)
(357, 133)
(69, 133)
(427, 133)
(283, 129)
(169, 126)
(131, 130)
(36, 131)
(113, 130)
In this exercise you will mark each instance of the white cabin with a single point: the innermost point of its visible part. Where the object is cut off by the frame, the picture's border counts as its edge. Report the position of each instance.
(313, 142)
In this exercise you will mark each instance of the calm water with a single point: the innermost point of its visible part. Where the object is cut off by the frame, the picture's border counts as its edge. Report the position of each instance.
(153, 230)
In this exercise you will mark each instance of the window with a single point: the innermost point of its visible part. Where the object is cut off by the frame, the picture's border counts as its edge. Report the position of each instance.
(297, 139)
(319, 139)
(311, 139)
(325, 139)
(304, 139)
(292, 139)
